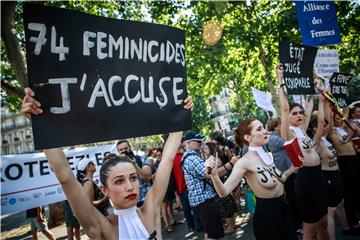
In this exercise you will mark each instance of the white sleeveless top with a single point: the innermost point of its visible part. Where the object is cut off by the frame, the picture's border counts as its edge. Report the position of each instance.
(130, 225)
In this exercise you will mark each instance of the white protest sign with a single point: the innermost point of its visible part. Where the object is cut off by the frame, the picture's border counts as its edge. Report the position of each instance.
(263, 100)
(326, 63)
(27, 180)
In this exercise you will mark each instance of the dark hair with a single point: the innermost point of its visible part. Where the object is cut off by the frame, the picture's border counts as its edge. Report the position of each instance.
(312, 125)
(122, 141)
(243, 129)
(108, 157)
(352, 110)
(80, 175)
(273, 123)
(212, 146)
(293, 105)
(110, 162)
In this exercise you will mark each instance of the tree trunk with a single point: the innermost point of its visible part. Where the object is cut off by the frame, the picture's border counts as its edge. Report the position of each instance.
(239, 101)
(12, 46)
(12, 90)
(56, 212)
(274, 98)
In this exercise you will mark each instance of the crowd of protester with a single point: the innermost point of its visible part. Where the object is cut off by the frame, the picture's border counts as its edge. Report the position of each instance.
(206, 177)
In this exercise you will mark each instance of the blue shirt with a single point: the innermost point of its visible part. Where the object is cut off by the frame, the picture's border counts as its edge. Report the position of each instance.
(194, 172)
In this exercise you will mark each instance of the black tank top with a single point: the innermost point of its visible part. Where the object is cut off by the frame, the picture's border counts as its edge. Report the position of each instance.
(97, 196)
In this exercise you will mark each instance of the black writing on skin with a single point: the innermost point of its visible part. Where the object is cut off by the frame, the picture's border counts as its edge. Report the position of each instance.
(308, 143)
(332, 164)
(272, 173)
(332, 149)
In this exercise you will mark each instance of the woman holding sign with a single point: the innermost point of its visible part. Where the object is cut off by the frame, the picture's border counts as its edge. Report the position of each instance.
(120, 183)
(310, 187)
(272, 218)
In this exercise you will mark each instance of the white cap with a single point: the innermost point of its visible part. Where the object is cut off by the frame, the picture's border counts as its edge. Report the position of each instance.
(353, 104)
(83, 164)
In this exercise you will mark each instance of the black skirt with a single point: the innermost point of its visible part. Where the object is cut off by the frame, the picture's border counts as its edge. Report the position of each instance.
(334, 188)
(272, 219)
(311, 193)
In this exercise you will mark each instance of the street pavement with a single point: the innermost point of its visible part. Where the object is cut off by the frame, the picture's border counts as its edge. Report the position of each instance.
(16, 226)
(11, 231)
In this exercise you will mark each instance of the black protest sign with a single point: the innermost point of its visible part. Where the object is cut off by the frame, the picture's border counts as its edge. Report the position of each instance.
(338, 87)
(100, 79)
(298, 62)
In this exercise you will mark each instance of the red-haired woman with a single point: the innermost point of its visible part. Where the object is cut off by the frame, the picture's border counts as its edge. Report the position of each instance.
(271, 219)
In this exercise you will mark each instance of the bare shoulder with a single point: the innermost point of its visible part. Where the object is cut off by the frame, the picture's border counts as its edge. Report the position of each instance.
(243, 162)
(249, 160)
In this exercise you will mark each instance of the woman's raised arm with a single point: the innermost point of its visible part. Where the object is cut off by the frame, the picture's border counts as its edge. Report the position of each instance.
(157, 192)
(237, 173)
(77, 198)
(320, 121)
(284, 104)
(309, 106)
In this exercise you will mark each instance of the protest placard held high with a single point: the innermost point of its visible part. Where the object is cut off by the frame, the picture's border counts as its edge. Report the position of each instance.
(101, 79)
(298, 61)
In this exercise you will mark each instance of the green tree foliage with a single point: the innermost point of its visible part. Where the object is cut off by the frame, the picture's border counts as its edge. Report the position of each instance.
(245, 56)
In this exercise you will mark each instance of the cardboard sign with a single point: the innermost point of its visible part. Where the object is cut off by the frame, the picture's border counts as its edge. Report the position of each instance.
(263, 100)
(338, 87)
(298, 63)
(326, 63)
(318, 22)
(101, 79)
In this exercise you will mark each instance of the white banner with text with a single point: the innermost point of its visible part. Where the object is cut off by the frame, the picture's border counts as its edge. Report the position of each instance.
(27, 180)
(326, 63)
